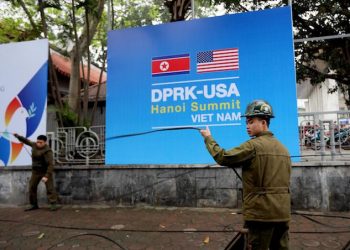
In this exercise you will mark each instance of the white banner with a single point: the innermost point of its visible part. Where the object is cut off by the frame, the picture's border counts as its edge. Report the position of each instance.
(23, 94)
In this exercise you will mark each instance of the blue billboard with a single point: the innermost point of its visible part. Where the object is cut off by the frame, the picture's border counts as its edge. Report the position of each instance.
(194, 74)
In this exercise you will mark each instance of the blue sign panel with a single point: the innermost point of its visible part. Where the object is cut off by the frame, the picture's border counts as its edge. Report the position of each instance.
(194, 74)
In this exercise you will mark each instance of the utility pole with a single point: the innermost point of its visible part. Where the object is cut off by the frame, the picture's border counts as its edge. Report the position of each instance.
(192, 7)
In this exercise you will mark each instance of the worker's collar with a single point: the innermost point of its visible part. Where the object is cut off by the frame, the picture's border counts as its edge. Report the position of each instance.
(264, 133)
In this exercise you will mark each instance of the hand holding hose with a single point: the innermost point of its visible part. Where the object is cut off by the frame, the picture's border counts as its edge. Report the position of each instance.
(205, 132)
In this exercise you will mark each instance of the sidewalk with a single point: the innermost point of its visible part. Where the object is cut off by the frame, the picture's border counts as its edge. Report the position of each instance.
(148, 228)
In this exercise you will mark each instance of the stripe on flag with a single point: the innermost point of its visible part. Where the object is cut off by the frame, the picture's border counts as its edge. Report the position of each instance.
(170, 65)
(217, 60)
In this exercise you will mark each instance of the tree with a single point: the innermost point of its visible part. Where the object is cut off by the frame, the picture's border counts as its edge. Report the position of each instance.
(178, 9)
(77, 29)
(55, 27)
(92, 15)
(314, 19)
(181, 10)
(317, 19)
(15, 30)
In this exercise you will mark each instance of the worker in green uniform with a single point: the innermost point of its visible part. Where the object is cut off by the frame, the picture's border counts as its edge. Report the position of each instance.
(42, 170)
(266, 169)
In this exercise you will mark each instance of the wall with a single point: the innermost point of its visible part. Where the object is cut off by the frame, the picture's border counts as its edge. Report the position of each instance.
(317, 99)
(318, 186)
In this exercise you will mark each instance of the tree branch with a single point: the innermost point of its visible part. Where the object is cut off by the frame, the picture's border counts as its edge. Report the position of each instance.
(84, 40)
(336, 77)
(24, 7)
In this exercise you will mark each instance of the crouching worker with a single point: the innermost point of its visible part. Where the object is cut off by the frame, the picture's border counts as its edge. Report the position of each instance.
(266, 169)
(42, 170)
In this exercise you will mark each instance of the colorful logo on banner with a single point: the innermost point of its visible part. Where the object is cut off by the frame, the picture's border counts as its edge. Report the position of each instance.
(24, 112)
(201, 81)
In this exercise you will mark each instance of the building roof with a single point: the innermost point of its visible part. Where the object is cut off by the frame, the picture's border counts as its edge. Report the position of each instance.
(62, 64)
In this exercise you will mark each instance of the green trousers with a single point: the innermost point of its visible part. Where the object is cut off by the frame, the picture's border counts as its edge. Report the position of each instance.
(33, 187)
(267, 235)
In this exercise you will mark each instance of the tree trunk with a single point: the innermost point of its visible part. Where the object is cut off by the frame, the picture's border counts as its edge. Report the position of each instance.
(74, 81)
(178, 9)
(86, 78)
(98, 88)
(81, 45)
(52, 73)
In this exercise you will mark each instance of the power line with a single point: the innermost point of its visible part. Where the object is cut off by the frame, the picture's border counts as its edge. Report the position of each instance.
(89, 234)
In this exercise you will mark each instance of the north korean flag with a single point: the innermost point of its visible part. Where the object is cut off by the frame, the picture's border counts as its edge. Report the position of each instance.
(171, 65)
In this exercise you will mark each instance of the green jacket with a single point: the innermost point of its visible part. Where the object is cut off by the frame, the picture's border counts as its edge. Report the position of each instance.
(42, 158)
(266, 169)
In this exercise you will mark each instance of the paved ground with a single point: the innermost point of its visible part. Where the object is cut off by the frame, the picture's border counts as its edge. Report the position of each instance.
(152, 228)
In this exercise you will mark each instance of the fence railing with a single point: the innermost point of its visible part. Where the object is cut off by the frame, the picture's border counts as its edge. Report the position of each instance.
(322, 136)
(325, 135)
(78, 145)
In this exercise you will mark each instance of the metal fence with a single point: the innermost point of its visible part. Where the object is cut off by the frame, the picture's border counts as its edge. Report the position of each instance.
(78, 145)
(322, 136)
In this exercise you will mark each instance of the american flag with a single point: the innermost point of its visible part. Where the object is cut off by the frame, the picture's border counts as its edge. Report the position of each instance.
(217, 60)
